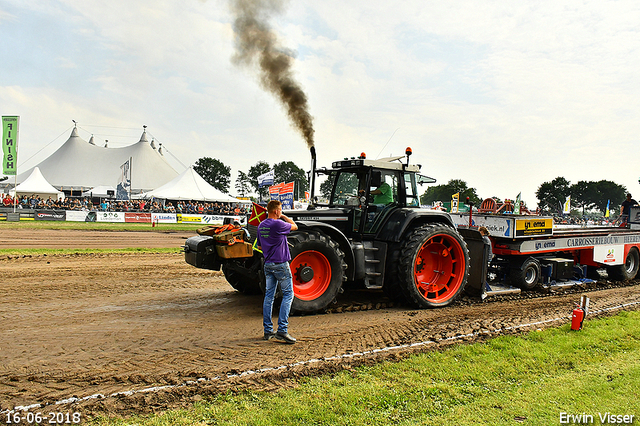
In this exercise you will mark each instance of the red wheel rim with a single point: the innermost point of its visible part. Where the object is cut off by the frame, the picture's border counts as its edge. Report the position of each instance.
(439, 268)
(321, 267)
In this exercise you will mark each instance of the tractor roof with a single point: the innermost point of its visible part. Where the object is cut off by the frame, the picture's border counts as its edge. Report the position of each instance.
(389, 163)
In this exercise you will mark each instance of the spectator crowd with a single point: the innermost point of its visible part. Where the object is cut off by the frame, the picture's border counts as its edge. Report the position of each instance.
(105, 205)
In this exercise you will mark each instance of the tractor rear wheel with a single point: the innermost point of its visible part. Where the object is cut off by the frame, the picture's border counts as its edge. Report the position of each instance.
(317, 265)
(433, 266)
(629, 270)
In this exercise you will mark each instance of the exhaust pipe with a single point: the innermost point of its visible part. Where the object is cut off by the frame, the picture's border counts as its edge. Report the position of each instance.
(312, 179)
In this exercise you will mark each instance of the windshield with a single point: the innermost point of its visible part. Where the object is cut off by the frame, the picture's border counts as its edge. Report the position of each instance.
(347, 185)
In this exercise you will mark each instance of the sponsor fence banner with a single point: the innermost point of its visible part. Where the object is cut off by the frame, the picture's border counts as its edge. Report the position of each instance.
(110, 217)
(50, 215)
(164, 217)
(134, 217)
(209, 219)
(189, 218)
(78, 216)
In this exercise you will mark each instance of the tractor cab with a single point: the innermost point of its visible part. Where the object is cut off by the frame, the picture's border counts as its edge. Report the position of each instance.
(369, 190)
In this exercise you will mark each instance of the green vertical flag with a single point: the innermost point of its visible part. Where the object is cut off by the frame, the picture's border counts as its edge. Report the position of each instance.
(516, 208)
(10, 144)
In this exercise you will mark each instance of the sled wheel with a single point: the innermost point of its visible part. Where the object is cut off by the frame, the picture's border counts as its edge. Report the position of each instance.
(526, 275)
(434, 266)
(317, 267)
(629, 270)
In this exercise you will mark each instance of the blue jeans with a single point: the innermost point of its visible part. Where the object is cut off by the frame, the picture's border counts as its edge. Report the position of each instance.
(277, 273)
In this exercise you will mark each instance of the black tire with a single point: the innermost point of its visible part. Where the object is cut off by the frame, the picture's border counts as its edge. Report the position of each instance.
(592, 273)
(433, 266)
(247, 282)
(629, 270)
(526, 275)
(318, 269)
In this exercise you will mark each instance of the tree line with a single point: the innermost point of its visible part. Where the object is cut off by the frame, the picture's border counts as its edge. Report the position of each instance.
(218, 175)
(551, 196)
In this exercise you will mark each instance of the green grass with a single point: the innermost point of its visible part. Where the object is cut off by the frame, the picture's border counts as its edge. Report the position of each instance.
(40, 252)
(100, 226)
(509, 380)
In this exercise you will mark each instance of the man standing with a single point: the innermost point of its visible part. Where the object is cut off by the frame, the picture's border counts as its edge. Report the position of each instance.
(272, 240)
(625, 208)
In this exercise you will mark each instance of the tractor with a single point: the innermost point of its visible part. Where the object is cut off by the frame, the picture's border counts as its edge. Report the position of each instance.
(367, 231)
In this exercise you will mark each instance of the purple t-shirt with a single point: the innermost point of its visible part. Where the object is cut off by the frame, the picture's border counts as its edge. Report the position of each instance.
(272, 237)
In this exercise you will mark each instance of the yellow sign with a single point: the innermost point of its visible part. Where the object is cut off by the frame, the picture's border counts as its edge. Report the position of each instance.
(539, 226)
(188, 218)
(455, 199)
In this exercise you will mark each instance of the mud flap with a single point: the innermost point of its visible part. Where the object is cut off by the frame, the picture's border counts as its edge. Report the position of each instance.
(479, 262)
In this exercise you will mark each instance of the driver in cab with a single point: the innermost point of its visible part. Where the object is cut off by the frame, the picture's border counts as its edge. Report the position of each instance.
(383, 193)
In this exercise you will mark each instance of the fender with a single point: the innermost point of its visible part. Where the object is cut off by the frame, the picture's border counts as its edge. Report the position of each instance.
(403, 219)
(337, 236)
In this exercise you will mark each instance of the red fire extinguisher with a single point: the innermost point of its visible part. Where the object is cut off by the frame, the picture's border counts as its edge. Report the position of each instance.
(577, 318)
(579, 313)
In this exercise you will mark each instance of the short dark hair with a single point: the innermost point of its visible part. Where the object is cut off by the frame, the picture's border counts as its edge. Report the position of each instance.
(273, 205)
(628, 195)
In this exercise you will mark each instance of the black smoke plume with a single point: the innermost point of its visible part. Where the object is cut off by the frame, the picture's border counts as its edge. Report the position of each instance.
(257, 45)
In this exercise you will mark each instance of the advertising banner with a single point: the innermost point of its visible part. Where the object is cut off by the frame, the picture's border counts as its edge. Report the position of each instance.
(164, 217)
(78, 216)
(189, 218)
(286, 196)
(132, 217)
(10, 145)
(539, 226)
(219, 220)
(609, 255)
(455, 199)
(110, 217)
(266, 179)
(124, 183)
(274, 191)
(498, 226)
(50, 215)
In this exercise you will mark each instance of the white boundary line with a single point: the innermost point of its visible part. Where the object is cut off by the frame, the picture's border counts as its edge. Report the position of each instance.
(74, 399)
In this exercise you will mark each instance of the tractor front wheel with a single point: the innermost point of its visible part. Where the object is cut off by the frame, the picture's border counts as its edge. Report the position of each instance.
(317, 265)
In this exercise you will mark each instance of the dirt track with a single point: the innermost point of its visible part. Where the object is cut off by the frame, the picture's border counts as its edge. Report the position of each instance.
(80, 325)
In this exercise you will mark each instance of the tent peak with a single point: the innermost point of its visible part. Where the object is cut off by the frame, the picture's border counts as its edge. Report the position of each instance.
(143, 138)
(91, 141)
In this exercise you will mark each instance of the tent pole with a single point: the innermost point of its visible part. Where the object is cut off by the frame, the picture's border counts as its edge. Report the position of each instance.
(130, 176)
(15, 191)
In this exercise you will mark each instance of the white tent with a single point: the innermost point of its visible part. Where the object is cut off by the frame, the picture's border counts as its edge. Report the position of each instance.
(101, 191)
(188, 185)
(36, 184)
(79, 164)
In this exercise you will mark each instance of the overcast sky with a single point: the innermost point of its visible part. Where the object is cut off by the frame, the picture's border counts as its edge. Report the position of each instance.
(502, 94)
